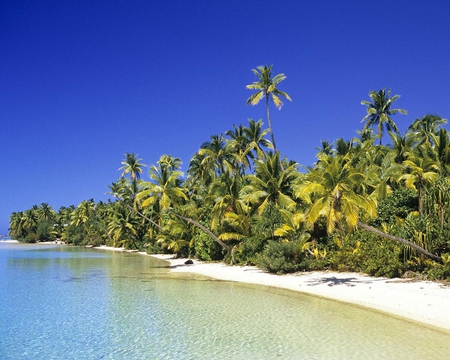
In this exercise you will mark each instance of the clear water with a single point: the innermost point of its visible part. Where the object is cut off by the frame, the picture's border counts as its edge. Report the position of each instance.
(75, 303)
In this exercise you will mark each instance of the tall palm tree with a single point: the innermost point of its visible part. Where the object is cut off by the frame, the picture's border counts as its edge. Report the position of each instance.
(379, 111)
(442, 151)
(266, 88)
(402, 145)
(132, 165)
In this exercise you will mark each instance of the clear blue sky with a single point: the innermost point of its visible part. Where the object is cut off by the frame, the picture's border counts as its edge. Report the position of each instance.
(83, 82)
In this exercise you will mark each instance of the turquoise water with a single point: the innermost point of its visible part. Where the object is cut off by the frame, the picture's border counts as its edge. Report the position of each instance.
(74, 303)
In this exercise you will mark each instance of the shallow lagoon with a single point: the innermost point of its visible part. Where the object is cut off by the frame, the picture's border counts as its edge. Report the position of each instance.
(64, 302)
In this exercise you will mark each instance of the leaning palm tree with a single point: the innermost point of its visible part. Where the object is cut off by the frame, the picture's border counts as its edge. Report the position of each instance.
(266, 87)
(337, 193)
(379, 111)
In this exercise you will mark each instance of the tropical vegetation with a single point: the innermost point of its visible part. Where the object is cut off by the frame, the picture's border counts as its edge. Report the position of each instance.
(362, 206)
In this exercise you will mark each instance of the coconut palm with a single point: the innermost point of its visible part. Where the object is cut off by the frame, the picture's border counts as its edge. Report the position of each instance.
(215, 156)
(165, 186)
(379, 111)
(225, 194)
(30, 219)
(420, 172)
(132, 165)
(442, 151)
(325, 149)
(402, 145)
(237, 145)
(125, 228)
(16, 225)
(270, 184)
(335, 191)
(426, 128)
(46, 212)
(266, 88)
(256, 138)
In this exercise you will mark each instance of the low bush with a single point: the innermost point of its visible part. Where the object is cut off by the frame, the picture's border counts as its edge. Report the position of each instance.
(280, 257)
(206, 248)
(370, 254)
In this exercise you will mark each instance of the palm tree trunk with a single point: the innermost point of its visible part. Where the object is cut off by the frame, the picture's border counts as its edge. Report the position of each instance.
(400, 240)
(271, 130)
(143, 216)
(270, 124)
(203, 228)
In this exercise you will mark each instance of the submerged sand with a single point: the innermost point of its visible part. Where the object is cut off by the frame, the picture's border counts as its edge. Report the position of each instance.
(423, 301)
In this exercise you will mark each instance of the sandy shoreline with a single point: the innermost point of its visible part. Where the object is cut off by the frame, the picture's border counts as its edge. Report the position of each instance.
(424, 301)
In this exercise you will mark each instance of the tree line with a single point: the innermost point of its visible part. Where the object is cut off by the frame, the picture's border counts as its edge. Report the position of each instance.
(362, 206)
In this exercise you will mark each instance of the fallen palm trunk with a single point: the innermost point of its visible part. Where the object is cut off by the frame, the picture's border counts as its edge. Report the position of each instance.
(400, 240)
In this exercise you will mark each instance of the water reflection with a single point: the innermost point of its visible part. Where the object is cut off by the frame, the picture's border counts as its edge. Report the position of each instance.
(63, 302)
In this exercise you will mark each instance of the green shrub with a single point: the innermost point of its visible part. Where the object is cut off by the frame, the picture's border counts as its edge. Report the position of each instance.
(280, 257)
(368, 253)
(206, 248)
(31, 238)
(397, 205)
(438, 271)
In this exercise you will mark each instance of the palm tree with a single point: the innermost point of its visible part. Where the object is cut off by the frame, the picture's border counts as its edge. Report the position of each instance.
(133, 166)
(225, 194)
(16, 225)
(402, 145)
(215, 156)
(165, 186)
(256, 138)
(420, 172)
(427, 128)
(125, 228)
(266, 87)
(237, 146)
(325, 149)
(335, 191)
(442, 151)
(379, 111)
(46, 212)
(270, 184)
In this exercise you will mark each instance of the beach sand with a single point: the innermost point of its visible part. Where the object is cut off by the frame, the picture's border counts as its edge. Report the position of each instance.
(423, 301)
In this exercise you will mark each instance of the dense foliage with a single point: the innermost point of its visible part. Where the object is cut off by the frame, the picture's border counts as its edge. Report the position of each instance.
(241, 201)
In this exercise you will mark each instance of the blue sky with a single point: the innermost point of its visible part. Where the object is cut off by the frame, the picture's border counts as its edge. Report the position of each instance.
(84, 82)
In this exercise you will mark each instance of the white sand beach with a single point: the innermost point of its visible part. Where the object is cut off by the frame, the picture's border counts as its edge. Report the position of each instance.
(424, 301)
